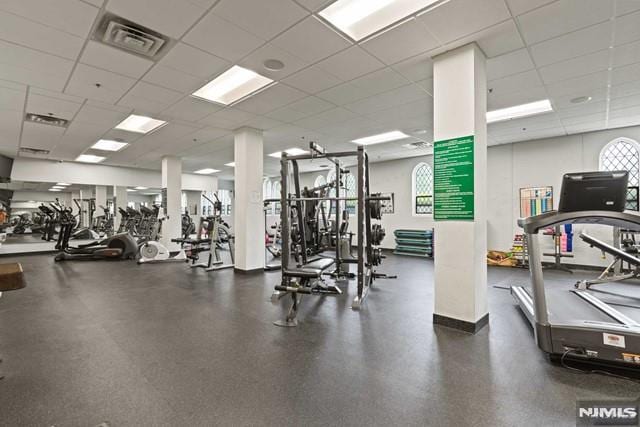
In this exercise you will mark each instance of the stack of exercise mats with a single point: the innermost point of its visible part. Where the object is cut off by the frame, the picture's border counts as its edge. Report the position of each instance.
(414, 242)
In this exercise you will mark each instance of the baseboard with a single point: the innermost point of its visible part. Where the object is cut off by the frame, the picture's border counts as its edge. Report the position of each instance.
(461, 325)
(253, 271)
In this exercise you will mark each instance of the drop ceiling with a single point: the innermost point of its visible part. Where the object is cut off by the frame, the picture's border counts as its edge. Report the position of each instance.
(331, 90)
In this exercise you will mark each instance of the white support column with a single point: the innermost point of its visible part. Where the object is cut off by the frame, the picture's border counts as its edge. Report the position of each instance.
(120, 200)
(194, 204)
(101, 198)
(460, 106)
(172, 182)
(248, 215)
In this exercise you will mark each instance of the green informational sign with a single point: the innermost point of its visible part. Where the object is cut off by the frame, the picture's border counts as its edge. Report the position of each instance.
(453, 179)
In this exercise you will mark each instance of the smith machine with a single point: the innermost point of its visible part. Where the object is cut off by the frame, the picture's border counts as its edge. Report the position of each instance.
(305, 277)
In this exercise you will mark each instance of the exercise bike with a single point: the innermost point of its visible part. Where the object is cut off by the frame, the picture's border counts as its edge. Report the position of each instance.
(152, 251)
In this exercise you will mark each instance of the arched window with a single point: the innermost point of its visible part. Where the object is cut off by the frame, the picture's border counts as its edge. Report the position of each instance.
(422, 189)
(225, 199)
(624, 154)
(275, 193)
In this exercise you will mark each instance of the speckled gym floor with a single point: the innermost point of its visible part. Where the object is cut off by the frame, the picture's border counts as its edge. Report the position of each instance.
(116, 343)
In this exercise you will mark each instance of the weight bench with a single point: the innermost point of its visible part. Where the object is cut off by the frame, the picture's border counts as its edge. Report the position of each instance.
(11, 279)
(309, 282)
(618, 255)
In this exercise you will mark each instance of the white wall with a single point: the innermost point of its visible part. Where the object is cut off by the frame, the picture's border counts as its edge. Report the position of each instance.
(27, 169)
(510, 167)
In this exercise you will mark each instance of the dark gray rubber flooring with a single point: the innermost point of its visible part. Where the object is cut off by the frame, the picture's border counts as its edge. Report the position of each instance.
(154, 345)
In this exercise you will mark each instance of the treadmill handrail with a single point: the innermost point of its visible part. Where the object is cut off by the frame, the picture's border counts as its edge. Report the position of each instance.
(533, 224)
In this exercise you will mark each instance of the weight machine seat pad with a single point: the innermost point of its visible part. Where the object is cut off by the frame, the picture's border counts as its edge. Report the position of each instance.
(618, 253)
(311, 270)
(11, 277)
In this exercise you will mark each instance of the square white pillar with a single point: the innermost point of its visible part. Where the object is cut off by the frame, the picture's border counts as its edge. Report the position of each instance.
(101, 198)
(248, 215)
(460, 106)
(171, 201)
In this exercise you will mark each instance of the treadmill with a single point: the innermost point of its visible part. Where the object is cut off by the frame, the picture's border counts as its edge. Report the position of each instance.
(575, 324)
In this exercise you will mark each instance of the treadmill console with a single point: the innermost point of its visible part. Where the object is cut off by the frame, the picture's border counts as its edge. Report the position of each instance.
(594, 191)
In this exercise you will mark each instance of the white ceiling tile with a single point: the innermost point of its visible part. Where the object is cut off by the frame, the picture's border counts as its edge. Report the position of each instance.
(575, 67)
(35, 135)
(625, 89)
(112, 86)
(351, 63)
(561, 17)
(228, 118)
(392, 98)
(145, 97)
(524, 95)
(627, 28)
(12, 85)
(344, 94)
(221, 38)
(27, 33)
(569, 121)
(579, 86)
(30, 67)
(263, 18)
(255, 61)
(563, 102)
(458, 18)
(196, 62)
(71, 16)
(93, 115)
(325, 41)
(628, 73)
(112, 59)
(510, 63)
(518, 7)
(10, 123)
(97, 3)
(314, 5)
(514, 83)
(312, 80)
(164, 16)
(300, 109)
(173, 79)
(585, 127)
(191, 109)
(625, 102)
(626, 6)
(499, 39)
(262, 122)
(626, 54)
(577, 43)
(326, 118)
(380, 81)
(573, 110)
(46, 105)
(418, 68)
(12, 99)
(404, 41)
(271, 99)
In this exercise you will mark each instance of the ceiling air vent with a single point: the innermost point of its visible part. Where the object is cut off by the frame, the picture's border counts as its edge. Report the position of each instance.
(34, 151)
(417, 145)
(130, 37)
(46, 120)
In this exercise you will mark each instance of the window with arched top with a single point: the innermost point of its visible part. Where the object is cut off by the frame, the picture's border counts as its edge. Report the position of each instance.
(422, 189)
(624, 154)
(320, 181)
(266, 194)
(352, 191)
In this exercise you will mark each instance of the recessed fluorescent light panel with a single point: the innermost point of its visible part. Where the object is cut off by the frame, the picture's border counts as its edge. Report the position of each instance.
(140, 124)
(142, 188)
(380, 138)
(290, 151)
(232, 85)
(361, 18)
(90, 158)
(231, 164)
(206, 171)
(519, 111)
(131, 190)
(109, 145)
(54, 189)
(63, 184)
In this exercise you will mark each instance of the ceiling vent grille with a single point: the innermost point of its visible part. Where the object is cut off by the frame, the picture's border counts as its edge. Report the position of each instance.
(417, 145)
(131, 37)
(28, 150)
(46, 120)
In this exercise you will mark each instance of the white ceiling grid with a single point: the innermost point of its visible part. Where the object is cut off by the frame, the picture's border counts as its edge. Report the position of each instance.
(331, 88)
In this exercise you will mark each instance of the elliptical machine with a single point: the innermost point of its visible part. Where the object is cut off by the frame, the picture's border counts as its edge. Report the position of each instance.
(118, 247)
